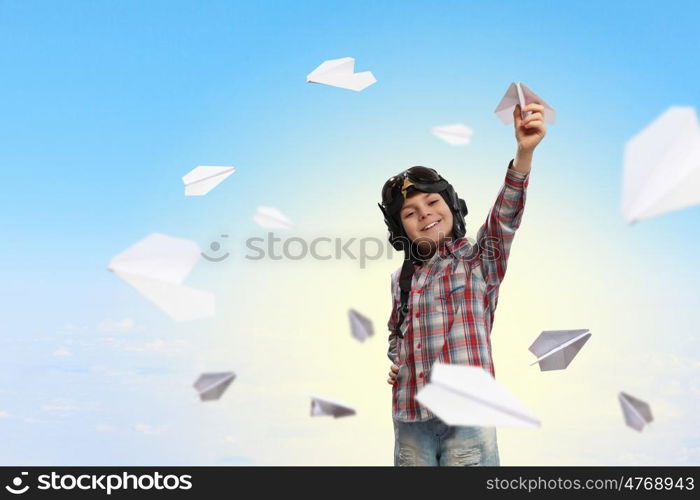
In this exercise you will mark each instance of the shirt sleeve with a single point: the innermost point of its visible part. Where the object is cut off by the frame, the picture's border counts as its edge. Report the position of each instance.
(496, 235)
(393, 320)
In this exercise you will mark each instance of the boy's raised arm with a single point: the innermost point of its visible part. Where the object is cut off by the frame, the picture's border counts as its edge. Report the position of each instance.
(496, 235)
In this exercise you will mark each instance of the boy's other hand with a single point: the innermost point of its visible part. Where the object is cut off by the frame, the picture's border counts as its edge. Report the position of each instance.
(529, 131)
(393, 372)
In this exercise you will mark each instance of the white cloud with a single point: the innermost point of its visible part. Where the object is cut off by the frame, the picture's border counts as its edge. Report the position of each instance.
(106, 370)
(149, 430)
(230, 440)
(689, 455)
(163, 345)
(110, 325)
(60, 409)
(104, 428)
(62, 352)
(157, 345)
(63, 408)
(70, 327)
(4, 414)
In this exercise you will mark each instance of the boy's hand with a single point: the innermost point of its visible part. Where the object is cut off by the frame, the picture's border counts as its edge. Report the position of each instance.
(530, 130)
(392, 374)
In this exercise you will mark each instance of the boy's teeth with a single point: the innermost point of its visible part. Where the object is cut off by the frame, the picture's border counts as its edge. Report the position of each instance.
(430, 225)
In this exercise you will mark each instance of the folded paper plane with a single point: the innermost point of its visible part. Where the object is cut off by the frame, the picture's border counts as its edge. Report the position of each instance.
(156, 267)
(321, 405)
(457, 134)
(469, 396)
(518, 93)
(203, 179)
(360, 326)
(662, 166)
(211, 386)
(270, 217)
(636, 412)
(556, 348)
(341, 73)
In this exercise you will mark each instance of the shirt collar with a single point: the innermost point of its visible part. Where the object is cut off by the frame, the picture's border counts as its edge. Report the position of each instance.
(452, 247)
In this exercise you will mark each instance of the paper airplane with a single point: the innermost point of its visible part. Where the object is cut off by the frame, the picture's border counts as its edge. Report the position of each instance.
(662, 166)
(637, 413)
(203, 179)
(457, 134)
(518, 93)
(468, 395)
(321, 405)
(270, 217)
(360, 326)
(341, 73)
(212, 385)
(556, 348)
(156, 267)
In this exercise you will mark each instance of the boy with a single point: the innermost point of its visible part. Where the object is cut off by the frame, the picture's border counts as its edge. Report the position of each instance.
(445, 295)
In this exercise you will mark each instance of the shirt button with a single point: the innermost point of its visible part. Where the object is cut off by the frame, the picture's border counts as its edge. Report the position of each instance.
(418, 314)
(418, 345)
(420, 374)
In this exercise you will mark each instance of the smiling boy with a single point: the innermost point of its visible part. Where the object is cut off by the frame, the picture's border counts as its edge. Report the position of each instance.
(445, 295)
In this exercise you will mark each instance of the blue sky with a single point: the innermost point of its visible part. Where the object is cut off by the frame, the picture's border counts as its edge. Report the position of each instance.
(105, 105)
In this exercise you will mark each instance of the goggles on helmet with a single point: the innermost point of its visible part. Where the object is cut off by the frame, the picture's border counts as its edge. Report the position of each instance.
(397, 188)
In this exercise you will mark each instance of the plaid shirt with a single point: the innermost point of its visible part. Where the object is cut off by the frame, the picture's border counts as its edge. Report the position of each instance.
(452, 302)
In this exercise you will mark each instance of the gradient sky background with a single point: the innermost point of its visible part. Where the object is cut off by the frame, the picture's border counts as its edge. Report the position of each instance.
(105, 105)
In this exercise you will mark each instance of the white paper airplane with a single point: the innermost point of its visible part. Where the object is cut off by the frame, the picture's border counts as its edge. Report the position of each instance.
(457, 134)
(360, 326)
(202, 179)
(321, 405)
(637, 413)
(341, 73)
(556, 348)
(212, 385)
(270, 217)
(468, 395)
(518, 93)
(156, 267)
(662, 166)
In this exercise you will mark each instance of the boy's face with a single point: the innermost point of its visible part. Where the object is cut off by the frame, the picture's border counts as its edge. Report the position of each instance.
(427, 219)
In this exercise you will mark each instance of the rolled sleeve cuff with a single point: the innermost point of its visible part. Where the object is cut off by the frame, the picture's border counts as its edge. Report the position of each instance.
(515, 179)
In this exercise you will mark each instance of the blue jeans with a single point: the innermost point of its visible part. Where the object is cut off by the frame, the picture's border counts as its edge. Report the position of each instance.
(434, 443)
